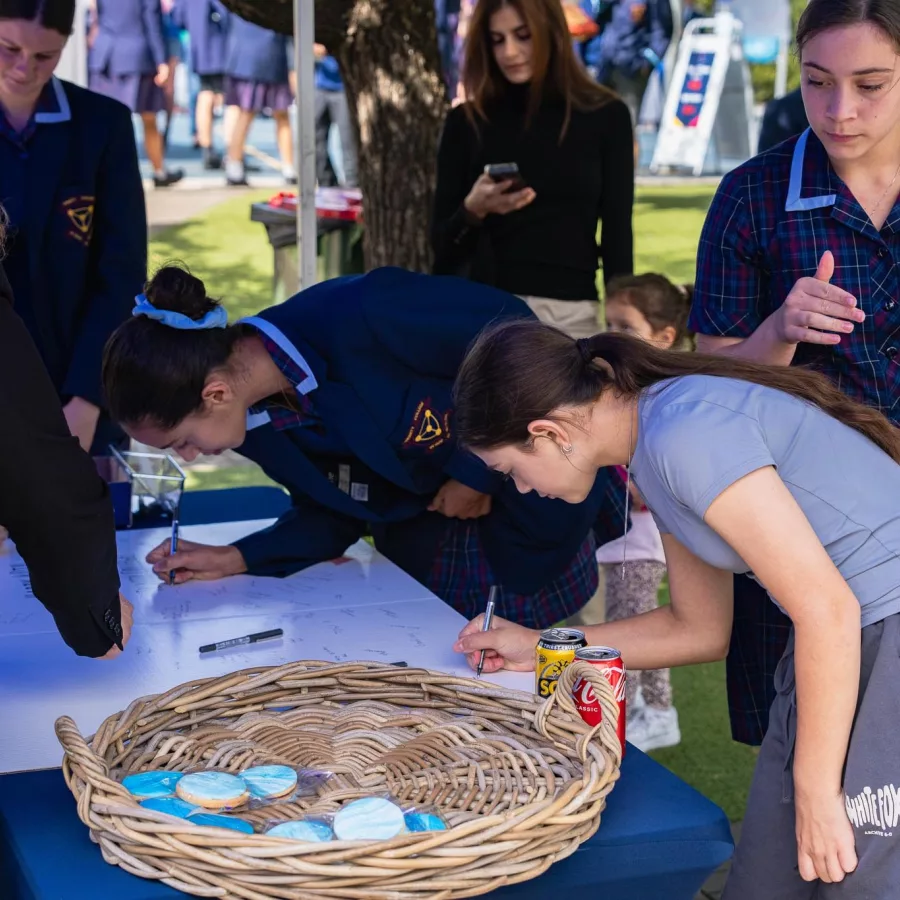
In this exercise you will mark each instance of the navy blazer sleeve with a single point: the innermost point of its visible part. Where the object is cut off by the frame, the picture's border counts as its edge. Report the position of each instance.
(153, 28)
(322, 533)
(405, 327)
(119, 257)
(54, 504)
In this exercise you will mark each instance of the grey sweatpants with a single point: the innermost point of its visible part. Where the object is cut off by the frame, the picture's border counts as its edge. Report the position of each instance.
(765, 863)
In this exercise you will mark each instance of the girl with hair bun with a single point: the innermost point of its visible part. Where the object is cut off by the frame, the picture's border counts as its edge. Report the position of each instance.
(343, 395)
(745, 469)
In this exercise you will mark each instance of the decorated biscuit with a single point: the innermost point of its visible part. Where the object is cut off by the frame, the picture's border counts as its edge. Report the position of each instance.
(172, 806)
(369, 819)
(418, 821)
(268, 782)
(145, 785)
(306, 830)
(211, 820)
(213, 790)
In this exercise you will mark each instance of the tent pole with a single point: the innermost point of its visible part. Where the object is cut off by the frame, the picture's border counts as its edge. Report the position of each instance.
(305, 145)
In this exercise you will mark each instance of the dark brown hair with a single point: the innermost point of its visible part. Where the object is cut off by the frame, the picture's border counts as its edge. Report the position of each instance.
(155, 373)
(820, 15)
(58, 15)
(557, 70)
(660, 302)
(520, 371)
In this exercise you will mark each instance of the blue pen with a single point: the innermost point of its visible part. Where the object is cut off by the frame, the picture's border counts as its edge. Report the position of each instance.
(173, 547)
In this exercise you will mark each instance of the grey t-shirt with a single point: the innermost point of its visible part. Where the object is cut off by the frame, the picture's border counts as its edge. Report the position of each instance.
(699, 434)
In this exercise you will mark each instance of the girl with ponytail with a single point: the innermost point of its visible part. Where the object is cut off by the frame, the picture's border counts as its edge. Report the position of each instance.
(747, 469)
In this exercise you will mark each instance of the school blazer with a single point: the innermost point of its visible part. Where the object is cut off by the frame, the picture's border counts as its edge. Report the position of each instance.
(384, 349)
(207, 23)
(254, 53)
(86, 233)
(129, 38)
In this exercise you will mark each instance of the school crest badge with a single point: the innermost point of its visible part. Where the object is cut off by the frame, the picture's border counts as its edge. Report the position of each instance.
(80, 218)
(429, 427)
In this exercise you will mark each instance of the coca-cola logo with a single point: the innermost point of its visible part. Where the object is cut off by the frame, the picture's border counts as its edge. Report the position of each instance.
(583, 692)
(615, 675)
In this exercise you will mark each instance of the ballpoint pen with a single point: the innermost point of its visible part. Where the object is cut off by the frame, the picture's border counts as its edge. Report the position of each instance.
(173, 548)
(486, 625)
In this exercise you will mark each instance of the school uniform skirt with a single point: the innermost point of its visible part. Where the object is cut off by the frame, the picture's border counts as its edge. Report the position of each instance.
(765, 863)
(138, 92)
(256, 96)
(461, 576)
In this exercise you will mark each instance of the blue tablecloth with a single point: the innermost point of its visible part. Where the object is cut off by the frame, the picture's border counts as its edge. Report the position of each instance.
(658, 840)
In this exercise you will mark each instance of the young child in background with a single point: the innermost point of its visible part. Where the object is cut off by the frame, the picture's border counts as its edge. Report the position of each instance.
(652, 308)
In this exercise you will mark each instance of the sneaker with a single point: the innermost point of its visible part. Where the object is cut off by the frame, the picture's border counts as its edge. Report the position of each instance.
(211, 159)
(168, 178)
(652, 729)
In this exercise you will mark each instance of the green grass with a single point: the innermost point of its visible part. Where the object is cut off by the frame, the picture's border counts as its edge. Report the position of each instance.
(232, 255)
(224, 248)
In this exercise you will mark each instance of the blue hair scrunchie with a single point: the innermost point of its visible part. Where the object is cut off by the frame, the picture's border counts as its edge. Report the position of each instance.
(215, 318)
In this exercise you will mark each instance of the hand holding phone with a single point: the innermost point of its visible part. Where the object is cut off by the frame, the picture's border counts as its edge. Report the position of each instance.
(500, 172)
(499, 190)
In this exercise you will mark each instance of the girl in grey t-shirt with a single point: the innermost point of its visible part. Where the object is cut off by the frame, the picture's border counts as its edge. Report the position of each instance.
(746, 468)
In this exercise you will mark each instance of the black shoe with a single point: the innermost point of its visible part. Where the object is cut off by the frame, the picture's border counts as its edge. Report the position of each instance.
(211, 159)
(237, 182)
(290, 179)
(170, 178)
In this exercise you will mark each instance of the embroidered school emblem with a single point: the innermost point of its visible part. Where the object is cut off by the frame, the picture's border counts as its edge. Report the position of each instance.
(429, 428)
(80, 213)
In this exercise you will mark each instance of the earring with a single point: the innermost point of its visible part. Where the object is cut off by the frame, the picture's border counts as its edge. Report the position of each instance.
(567, 450)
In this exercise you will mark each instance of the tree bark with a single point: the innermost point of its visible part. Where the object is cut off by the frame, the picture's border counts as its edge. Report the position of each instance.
(388, 54)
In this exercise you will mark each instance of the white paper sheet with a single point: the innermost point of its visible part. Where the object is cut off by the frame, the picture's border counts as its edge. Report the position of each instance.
(363, 609)
(362, 578)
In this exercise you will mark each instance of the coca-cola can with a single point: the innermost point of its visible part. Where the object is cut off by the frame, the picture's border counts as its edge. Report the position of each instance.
(610, 662)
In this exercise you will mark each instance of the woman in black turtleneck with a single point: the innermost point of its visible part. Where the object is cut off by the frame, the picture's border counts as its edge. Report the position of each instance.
(531, 102)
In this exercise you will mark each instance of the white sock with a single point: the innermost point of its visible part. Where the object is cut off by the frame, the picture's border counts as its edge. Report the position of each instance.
(288, 172)
(234, 169)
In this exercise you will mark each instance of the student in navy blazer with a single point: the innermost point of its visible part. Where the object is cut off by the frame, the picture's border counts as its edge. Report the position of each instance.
(69, 179)
(256, 78)
(343, 394)
(128, 61)
(206, 22)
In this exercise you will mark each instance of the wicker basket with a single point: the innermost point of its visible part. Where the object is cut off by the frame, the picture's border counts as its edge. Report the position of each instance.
(521, 781)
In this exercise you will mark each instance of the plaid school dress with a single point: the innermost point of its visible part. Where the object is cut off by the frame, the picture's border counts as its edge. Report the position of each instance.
(768, 225)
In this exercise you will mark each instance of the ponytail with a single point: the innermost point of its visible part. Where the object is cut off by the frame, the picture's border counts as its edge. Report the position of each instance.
(520, 371)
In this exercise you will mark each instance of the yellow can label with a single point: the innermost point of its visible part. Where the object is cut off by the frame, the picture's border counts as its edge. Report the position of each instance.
(549, 666)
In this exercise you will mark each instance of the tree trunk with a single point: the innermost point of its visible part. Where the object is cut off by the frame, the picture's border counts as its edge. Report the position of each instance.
(388, 54)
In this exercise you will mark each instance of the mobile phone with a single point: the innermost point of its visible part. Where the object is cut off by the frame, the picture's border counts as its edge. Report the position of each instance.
(506, 172)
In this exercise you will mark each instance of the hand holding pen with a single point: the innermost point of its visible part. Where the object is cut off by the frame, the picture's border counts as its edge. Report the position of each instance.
(486, 626)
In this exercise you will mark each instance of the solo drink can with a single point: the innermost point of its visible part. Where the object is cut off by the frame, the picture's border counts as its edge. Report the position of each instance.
(610, 662)
(555, 650)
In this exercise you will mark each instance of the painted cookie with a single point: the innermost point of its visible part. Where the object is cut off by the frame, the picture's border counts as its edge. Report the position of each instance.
(172, 806)
(369, 819)
(211, 820)
(306, 830)
(147, 785)
(416, 821)
(213, 790)
(268, 782)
